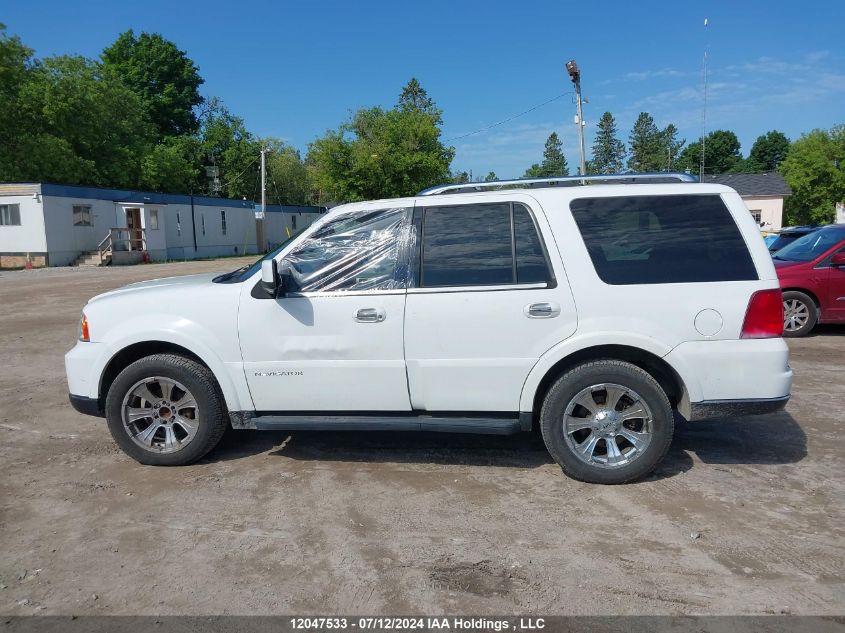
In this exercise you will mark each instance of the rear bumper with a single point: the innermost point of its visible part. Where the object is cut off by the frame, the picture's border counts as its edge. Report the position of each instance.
(709, 409)
(743, 370)
(86, 405)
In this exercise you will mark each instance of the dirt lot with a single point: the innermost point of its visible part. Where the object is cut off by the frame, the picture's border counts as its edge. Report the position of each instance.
(744, 516)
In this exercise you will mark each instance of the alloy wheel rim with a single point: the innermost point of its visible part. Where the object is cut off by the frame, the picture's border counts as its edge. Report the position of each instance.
(160, 415)
(608, 425)
(795, 315)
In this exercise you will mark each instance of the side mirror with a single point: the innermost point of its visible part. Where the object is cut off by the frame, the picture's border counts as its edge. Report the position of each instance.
(285, 279)
(270, 277)
(838, 260)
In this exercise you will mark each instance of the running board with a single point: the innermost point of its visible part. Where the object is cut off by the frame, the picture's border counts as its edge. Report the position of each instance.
(480, 425)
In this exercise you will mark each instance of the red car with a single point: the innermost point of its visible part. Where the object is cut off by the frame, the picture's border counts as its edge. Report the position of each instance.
(812, 276)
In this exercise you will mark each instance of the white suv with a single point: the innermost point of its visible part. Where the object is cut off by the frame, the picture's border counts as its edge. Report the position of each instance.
(587, 307)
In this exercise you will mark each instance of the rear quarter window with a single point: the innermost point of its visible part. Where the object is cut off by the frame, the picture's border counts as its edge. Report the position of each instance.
(662, 239)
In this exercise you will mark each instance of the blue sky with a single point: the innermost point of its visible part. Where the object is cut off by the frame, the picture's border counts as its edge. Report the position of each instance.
(294, 69)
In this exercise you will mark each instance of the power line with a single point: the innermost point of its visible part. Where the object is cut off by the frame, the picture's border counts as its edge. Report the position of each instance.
(241, 173)
(509, 119)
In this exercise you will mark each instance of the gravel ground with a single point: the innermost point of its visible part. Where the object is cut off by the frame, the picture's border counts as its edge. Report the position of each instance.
(745, 516)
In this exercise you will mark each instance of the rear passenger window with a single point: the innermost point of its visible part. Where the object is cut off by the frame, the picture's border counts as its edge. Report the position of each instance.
(481, 245)
(662, 239)
(531, 265)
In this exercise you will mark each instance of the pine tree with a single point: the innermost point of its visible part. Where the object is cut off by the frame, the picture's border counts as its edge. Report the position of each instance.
(671, 146)
(645, 145)
(554, 162)
(608, 151)
(491, 177)
(415, 98)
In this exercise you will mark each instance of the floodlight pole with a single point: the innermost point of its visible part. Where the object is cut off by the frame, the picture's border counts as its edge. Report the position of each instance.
(575, 76)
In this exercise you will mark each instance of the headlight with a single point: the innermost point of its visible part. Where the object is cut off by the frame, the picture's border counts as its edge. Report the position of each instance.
(83, 329)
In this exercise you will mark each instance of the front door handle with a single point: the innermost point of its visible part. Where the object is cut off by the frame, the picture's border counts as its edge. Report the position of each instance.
(370, 315)
(543, 310)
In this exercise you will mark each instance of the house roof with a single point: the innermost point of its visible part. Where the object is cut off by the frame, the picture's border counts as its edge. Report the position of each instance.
(141, 197)
(769, 183)
(292, 208)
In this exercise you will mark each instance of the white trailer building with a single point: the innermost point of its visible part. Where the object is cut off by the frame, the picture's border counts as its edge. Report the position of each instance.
(282, 221)
(59, 225)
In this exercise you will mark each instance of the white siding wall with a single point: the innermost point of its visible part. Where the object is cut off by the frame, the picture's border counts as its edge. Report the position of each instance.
(64, 240)
(47, 227)
(29, 236)
(156, 239)
(770, 208)
(176, 222)
(277, 225)
(240, 231)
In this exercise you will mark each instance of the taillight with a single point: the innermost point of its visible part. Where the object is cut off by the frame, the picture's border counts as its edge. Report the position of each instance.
(764, 317)
(83, 329)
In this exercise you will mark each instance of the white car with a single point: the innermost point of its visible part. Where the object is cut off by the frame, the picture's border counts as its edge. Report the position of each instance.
(592, 312)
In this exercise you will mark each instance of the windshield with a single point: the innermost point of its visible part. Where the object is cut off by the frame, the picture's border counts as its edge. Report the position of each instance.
(810, 246)
(784, 239)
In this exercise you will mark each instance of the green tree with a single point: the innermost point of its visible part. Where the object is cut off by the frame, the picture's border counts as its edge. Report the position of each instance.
(554, 162)
(491, 176)
(225, 143)
(815, 169)
(78, 123)
(608, 150)
(169, 166)
(288, 179)
(645, 145)
(415, 98)
(671, 145)
(163, 75)
(15, 64)
(381, 153)
(721, 154)
(768, 151)
(459, 178)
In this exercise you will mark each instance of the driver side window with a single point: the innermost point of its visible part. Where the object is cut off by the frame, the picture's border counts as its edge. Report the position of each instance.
(356, 251)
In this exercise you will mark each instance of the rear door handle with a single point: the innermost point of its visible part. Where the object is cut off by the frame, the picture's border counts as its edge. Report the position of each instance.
(543, 310)
(370, 315)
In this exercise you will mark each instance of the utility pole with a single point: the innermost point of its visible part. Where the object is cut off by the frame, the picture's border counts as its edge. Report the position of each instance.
(259, 217)
(263, 180)
(575, 76)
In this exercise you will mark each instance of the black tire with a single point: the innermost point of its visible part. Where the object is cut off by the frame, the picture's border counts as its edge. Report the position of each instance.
(619, 373)
(212, 420)
(799, 299)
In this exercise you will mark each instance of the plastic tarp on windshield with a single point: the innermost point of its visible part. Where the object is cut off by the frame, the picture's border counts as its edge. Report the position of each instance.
(354, 252)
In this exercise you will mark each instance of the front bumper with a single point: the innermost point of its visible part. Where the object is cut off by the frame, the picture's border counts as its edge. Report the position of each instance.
(82, 365)
(709, 409)
(86, 405)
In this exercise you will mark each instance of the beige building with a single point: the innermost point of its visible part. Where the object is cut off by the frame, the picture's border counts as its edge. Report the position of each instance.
(763, 195)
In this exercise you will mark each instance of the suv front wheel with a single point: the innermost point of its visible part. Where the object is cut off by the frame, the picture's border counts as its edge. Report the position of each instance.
(607, 422)
(166, 410)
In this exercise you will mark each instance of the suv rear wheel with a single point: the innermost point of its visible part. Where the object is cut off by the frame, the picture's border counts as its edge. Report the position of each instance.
(607, 422)
(799, 314)
(166, 410)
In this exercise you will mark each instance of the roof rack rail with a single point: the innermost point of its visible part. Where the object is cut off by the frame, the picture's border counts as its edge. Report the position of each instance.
(559, 181)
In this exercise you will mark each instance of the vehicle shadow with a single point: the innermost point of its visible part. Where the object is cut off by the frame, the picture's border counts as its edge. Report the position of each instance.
(525, 450)
(827, 329)
(768, 439)
(774, 438)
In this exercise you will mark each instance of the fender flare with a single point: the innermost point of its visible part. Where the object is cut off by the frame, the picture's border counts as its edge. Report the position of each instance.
(126, 337)
(570, 346)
